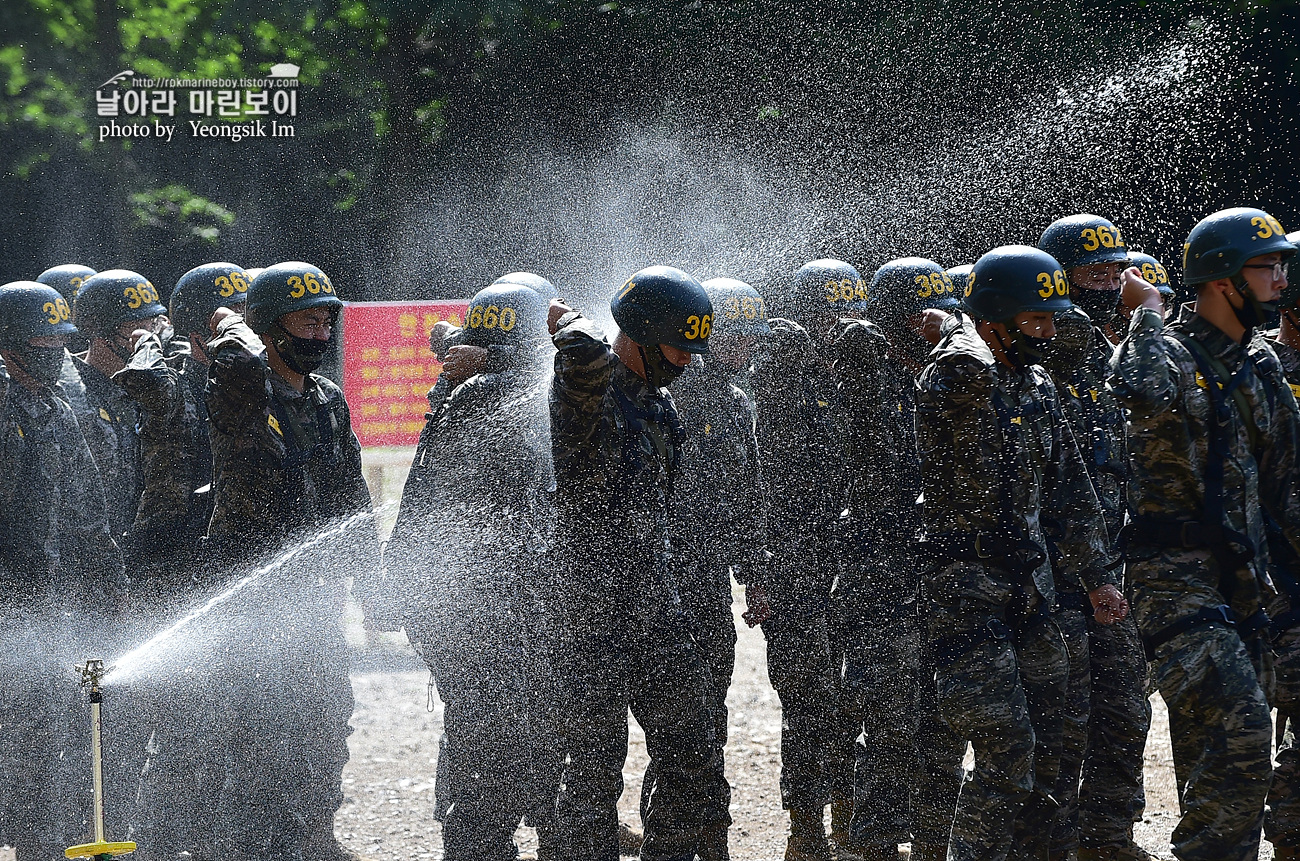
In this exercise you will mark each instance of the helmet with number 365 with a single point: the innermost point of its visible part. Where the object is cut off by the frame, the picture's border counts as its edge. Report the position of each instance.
(108, 299)
(203, 290)
(904, 288)
(287, 287)
(1220, 244)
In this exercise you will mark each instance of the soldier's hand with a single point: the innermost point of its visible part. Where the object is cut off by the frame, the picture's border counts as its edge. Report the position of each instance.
(553, 314)
(931, 323)
(438, 338)
(1137, 292)
(463, 362)
(1108, 603)
(759, 606)
(217, 316)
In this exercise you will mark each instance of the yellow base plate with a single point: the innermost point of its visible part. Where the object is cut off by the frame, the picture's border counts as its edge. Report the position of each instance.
(94, 850)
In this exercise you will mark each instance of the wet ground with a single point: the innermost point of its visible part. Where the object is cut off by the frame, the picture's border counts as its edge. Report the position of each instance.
(388, 812)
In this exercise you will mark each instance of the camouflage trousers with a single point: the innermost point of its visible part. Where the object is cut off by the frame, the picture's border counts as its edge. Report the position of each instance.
(1282, 821)
(801, 669)
(937, 779)
(1074, 714)
(878, 700)
(613, 662)
(1001, 686)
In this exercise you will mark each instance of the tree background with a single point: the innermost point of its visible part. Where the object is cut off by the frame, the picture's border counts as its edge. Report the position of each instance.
(440, 144)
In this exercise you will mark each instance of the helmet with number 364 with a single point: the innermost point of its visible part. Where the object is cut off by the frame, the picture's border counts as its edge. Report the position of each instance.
(287, 287)
(204, 289)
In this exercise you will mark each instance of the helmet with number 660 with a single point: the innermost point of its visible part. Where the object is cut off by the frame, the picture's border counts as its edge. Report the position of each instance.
(1084, 240)
(287, 287)
(29, 309)
(505, 314)
(203, 290)
(108, 299)
(904, 288)
(1012, 279)
(737, 308)
(1220, 244)
(663, 305)
(67, 279)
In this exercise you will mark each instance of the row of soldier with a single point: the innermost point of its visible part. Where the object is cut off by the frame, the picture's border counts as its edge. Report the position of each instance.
(566, 541)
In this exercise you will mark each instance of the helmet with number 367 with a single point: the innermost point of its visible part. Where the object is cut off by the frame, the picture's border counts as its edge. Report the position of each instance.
(108, 299)
(1013, 279)
(287, 287)
(505, 313)
(737, 308)
(204, 289)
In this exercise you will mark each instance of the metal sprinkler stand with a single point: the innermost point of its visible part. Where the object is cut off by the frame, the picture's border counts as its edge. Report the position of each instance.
(91, 676)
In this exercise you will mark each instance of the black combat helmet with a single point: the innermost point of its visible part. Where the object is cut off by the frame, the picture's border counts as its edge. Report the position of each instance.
(1291, 292)
(1153, 271)
(66, 278)
(1013, 279)
(287, 287)
(960, 276)
(30, 309)
(204, 289)
(737, 308)
(1084, 240)
(830, 286)
(108, 299)
(544, 288)
(663, 305)
(505, 313)
(1220, 244)
(904, 288)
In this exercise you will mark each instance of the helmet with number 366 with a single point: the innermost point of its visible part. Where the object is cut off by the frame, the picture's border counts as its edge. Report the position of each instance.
(108, 299)
(287, 287)
(505, 313)
(203, 290)
(1013, 279)
(1220, 244)
(663, 305)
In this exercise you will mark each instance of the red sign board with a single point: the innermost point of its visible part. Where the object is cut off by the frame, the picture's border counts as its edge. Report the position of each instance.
(388, 368)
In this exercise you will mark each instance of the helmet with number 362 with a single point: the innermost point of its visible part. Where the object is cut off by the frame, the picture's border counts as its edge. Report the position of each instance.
(1084, 240)
(108, 299)
(204, 289)
(737, 308)
(1013, 279)
(1220, 244)
(287, 287)
(505, 313)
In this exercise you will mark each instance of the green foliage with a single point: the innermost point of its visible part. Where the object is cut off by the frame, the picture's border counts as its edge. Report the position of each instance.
(177, 214)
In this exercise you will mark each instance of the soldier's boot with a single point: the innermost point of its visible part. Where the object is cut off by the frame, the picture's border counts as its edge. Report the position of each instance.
(928, 852)
(629, 840)
(713, 844)
(807, 840)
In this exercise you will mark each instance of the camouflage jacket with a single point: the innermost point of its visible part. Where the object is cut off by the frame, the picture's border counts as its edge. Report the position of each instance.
(285, 463)
(54, 538)
(1079, 361)
(109, 423)
(175, 455)
(616, 445)
(1171, 411)
(718, 510)
(998, 457)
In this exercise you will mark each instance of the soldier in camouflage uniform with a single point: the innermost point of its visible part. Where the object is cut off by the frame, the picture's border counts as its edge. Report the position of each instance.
(465, 560)
(286, 465)
(1154, 272)
(1212, 440)
(878, 583)
(998, 462)
(616, 441)
(165, 377)
(794, 395)
(67, 278)
(1106, 712)
(60, 572)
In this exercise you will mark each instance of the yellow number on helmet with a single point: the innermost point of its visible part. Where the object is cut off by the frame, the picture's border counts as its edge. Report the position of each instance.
(1062, 283)
(133, 298)
(861, 290)
(1090, 240)
(475, 317)
(1149, 273)
(732, 307)
(924, 288)
(1044, 278)
(327, 286)
(65, 313)
(76, 283)
(693, 332)
(627, 288)
(313, 286)
(226, 288)
(296, 288)
(240, 282)
(507, 319)
(1105, 236)
(490, 316)
(1119, 238)
(706, 326)
(53, 311)
(749, 308)
(1265, 229)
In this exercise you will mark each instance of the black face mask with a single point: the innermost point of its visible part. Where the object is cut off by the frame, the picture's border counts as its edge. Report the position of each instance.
(1253, 313)
(659, 372)
(1025, 350)
(303, 355)
(43, 364)
(1100, 305)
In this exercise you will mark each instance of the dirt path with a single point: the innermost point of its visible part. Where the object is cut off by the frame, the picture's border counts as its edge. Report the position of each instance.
(389, 782)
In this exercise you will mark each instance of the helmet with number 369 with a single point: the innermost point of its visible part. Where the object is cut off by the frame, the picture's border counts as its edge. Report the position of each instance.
(204, 289)
(108, 299)
(505, 313)
(287, 287)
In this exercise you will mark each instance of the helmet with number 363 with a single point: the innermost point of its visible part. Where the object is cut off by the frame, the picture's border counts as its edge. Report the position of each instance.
(204, 289)
(1013, 279)
(505, 313)
(737, 308)
(108, 299)
(1220, 244)
(287, 287)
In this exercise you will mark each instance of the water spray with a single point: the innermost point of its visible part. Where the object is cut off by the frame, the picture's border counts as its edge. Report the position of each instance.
(92, 674)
